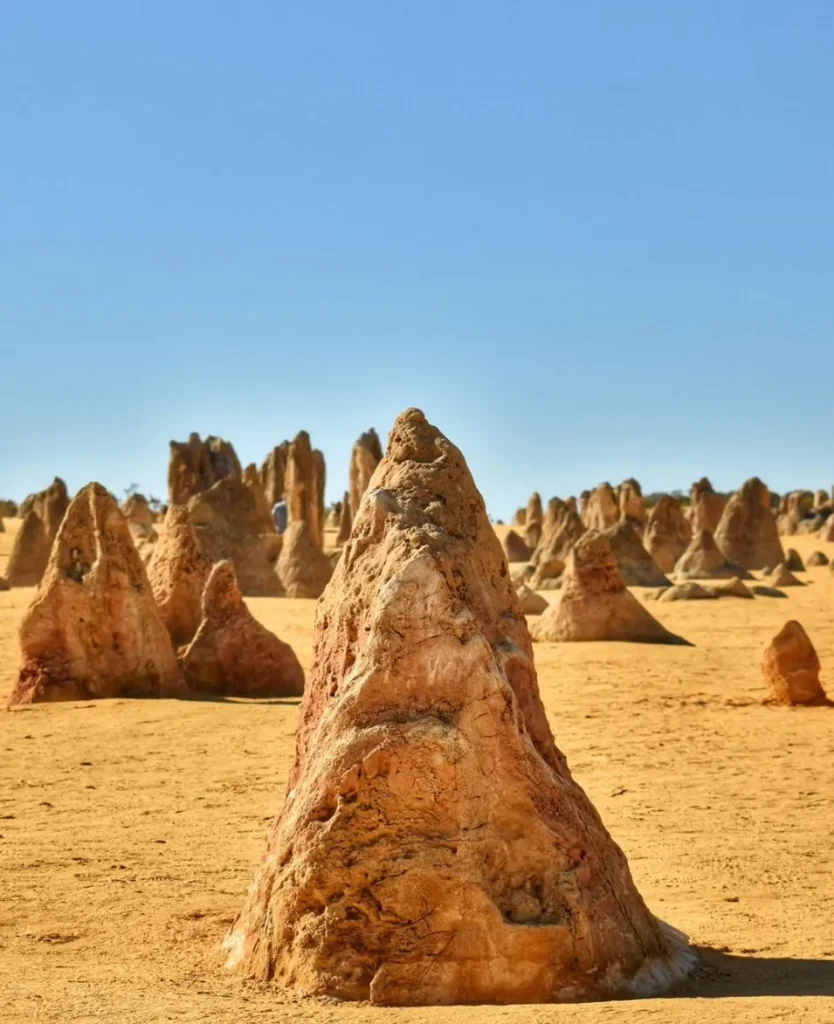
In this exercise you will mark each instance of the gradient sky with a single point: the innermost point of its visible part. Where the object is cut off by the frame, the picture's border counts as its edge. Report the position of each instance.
(591, 240)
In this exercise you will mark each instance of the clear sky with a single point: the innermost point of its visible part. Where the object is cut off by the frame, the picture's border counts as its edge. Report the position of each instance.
(591, 239)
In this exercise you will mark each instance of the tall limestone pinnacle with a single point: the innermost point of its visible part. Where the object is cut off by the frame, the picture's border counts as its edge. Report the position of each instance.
(433, 847)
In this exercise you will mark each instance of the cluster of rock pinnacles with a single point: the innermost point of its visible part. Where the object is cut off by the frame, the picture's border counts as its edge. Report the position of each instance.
(433, 847)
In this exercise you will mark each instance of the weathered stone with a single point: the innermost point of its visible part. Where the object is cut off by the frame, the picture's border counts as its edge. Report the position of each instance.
(273, 473)
(304, 570)
(636, 565)
(229, 526)
(232, 653)
(791, 668)
(729, 588)
(252, 479)
(364, 458)
(93, 630)
(689, 591)
(562, 528)
(816, 558)
(520, 517)
(702, 561)
(632, 506)
(747, 533)
(667, 533)
(707, 506)
(194, 466)
(317, 507)
(30, 552)
(433, 847)
(177, 573)
(602, 509)
(514, 548)
(793, 560)
(594, 603)
(533, 519)
(136, 510)
(345, 521)
(531, 602)
(781, 576)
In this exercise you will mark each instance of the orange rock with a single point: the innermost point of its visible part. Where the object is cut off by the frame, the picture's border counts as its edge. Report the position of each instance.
(702, 561)
(93, 629)
(252, 479)
(194, 466)
(706, 506)
(636, 565)
(177, 573)
(345, 521)
(632, 506)
(303, 568)
(30, 552)
(232, 653)
(433, 847)
(365, 457)
(137, 511)
(791, 667)
(668, 532)
(594, 603)
(229, 525)
(533, 519)
(747, 533)
(601, 509)
(514, 548)
(562, 528)
(273, 472)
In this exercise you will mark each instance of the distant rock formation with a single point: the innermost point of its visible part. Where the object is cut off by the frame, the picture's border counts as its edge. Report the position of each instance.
(273, 472)
(303, 568)
(632, 506)
(194, 466)
(667, 533)
(636, 565)
(562, 529)
(177, 573)
(602, 509)
(706, 506)
(364, 458)
(702, 561)
(93, 629)
(594, 603)
(747, 532)
(345, 521)
(514, 548)
(30, 552)
(533, 518)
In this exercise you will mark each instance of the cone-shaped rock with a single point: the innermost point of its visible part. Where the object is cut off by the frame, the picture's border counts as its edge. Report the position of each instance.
(520, 517)
(533, 518)
(602, 509)
(30, 552)
(304, 486)
(345, 521)
(636, 565)
(303, 568)
(138, 512)
(817, 558)
(229, 525)
(668, 532)
(793, 560)
(706, 506)
(252, 479)
(791, 667)
(50, 504)
(702, 561)
(781, 576)
(317, 506)
(273, 472)
(514, 548)
(594, 603)
(790, 514)
(8, 509)
(433, 848)
(177, 573)
(93, 629)
(747, 533)
(690, 591)
(364, 458)
(531, 602)
(232, 653)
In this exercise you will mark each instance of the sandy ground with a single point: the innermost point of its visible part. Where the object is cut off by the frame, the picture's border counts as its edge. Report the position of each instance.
(130, 830)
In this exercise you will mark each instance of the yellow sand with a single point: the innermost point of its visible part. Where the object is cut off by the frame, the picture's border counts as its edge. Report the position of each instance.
(130, 830)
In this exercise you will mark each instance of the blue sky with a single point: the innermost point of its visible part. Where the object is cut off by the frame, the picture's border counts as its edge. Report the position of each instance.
(591, 240)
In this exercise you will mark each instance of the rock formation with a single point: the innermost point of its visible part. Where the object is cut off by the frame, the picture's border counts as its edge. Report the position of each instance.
(433, 847)
(562, 528)
(4, 583)
(520, 517)
(636, 565)
(594, 603)
(93, 630)
(50, 505)
(273, 472)
(8, 509)
(30, 552)
(303, 568)
(706, 505)
(667, 533)
(533, 518)
(177, 573)
(793, 560)
(702, 561)
(301, 486)
(229, 525)
(729, 588)
(781, 576)
(790, 514)
(632, 507)
(747, 532)
(816, 558)
(317, 506)
(194, 466)
(827, 530)
(602, 509)
(690, 591)
(345, 521)
(252, 479)
(364, 458)
(137, 511)
(514, 548)
(232, 653)
(791, 668)
(531, 602)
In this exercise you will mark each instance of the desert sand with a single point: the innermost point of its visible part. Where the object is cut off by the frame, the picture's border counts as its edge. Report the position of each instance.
(131, 829)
